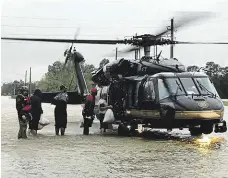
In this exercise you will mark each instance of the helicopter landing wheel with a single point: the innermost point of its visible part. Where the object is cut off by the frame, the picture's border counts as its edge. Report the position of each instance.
(123, 130)
(133, 131)
(195, 131)
(207, 128)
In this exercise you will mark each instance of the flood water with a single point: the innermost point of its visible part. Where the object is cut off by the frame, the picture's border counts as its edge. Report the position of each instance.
(97, 155)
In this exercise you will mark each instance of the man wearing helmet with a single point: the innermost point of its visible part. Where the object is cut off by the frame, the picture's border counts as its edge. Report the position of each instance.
(22, 101)
(60, 102)
(88, 110)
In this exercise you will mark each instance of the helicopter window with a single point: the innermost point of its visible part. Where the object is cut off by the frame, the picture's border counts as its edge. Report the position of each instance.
(189, 86)
(163, 91)
(205, 86)
(172, 84)
(130, 91)
(136, 100)
(148, 93)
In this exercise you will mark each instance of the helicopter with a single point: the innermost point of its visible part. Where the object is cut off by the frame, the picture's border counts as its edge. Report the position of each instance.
(149, 92)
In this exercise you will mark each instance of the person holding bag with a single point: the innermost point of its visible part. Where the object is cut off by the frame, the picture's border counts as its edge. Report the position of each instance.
(36, 110)
(60, 102)
(102, 108)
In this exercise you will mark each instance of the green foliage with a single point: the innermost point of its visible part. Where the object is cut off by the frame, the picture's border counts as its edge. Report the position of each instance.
(192, 68)
(218, 75)
(58, 75)
(225, 103)
(11, 88)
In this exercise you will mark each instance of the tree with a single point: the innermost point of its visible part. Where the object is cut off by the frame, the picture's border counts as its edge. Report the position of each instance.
(103, 62)
(57, 76)
(192, 68)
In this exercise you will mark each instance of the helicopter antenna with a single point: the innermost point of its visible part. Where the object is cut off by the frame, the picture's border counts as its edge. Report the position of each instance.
(157, 57)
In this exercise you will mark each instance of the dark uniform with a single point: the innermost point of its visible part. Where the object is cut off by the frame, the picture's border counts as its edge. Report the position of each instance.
(36, 110)
(88, 111)
(60, 102)
(21, 102)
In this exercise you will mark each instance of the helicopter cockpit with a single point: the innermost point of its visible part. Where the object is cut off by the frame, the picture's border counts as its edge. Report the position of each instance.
(183, 84)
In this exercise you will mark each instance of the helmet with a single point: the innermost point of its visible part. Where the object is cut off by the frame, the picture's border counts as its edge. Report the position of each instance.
(93, 90)
(24, 88)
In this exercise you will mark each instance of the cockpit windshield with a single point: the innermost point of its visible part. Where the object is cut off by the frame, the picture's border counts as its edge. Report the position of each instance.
(185, 86)
(189, 86)
(205, 86)
(169, 86)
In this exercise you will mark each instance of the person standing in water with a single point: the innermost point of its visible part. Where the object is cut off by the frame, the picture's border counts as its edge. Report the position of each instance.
(23, 109)
(60, 102)
(102, 108)
(36, 110)
(88, 111)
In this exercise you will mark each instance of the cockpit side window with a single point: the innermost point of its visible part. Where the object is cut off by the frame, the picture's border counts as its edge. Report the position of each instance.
(162, 89)
(148, 91)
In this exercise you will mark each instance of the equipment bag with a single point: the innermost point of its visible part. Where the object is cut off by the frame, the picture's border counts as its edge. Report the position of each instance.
(109, 117)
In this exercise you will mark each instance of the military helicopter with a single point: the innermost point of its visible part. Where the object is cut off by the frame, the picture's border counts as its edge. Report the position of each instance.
(150, 92)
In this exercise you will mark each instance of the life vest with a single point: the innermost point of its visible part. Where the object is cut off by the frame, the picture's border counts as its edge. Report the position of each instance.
(89, 105)
(27, 107)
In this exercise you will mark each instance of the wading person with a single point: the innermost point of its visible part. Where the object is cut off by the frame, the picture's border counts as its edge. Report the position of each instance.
(23, 109)
(60, 102)
(88, 111)
(102, 108)
(36, 110)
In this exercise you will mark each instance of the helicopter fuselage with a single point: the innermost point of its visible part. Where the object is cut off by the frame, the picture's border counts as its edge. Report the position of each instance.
(166, 100)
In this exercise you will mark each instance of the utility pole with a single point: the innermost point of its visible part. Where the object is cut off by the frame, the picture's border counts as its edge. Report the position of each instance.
(172, 37)
(116, 52)
(25, 77)
(30, 82)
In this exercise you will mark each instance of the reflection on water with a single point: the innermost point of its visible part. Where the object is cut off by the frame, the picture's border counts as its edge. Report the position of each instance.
(156, 154)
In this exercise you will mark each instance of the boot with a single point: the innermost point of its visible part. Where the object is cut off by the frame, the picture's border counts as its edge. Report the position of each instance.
(34, 132)
(57, 131)
(62, 131)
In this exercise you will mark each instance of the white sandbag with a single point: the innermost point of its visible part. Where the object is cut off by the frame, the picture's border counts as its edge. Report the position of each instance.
(43, 121)
(109, 117)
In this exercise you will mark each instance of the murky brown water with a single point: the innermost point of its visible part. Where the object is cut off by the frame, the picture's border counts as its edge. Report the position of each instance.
(96, 155)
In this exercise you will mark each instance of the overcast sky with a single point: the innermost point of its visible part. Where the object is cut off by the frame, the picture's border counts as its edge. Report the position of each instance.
(103, 19)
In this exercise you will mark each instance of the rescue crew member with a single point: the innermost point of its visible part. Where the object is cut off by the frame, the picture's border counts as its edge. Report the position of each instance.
(60, 102)
(102, 108)
(88, 111)
(21, 103)
(36, 110)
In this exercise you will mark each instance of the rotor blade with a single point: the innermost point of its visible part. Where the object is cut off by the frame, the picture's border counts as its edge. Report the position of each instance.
(64, 65)
(183, 42)
(130, 49)
(112, 42)
(75, 37)
(125, 51)
(77, 33)
(186, 18)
